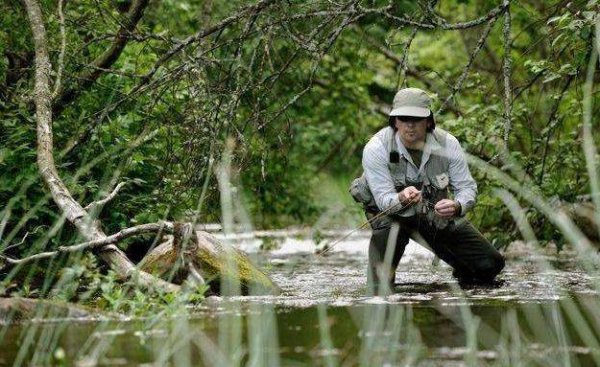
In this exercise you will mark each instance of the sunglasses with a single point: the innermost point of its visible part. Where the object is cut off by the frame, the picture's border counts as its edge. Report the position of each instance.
(410, 118)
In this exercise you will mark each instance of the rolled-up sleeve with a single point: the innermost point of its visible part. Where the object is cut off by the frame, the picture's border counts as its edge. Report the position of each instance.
(378, 175)
(462, 183)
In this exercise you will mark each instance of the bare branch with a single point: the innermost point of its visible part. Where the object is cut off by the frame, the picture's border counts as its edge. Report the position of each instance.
(253, 10)
(494, 13)
(405, 70)
(146, 80)
(465, 72)
(553, 120)
(403, 64)
(166, 227)
(94, 206)
(63, 46)
(22, 240)
(105, 60)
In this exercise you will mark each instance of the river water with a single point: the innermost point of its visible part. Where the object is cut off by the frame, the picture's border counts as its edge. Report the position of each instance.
(544, 311)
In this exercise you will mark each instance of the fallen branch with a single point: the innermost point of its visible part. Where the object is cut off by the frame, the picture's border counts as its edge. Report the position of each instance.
(165, 227)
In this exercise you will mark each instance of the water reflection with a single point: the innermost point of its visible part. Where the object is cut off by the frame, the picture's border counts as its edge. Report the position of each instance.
(540, 314)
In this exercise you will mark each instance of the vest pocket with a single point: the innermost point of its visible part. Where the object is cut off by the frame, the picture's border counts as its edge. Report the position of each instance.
(398, 173)
(441, 181)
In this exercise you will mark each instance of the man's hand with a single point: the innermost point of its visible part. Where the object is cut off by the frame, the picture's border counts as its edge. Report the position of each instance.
(446, 208)
(409, 195)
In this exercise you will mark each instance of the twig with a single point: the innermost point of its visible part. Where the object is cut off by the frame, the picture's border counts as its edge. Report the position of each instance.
(100, 203)
(167, 227)
(18, 244)
(4, 221)
(254, 9)
(494, 13)
(332, 38)
(63, 46)
(552, 122)
(463, 75)
(105, 60)
(404, 60)
(111, 71)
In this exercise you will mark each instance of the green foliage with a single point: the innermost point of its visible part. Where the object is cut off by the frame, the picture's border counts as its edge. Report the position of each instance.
(85, 282)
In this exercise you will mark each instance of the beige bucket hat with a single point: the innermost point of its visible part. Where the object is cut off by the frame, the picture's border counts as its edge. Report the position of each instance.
(411, 102)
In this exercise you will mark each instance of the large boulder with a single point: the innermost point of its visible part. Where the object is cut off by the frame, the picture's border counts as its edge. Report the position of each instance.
(199, 258)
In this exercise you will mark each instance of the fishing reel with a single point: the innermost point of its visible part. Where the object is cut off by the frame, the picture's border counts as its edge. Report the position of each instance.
(426, 207)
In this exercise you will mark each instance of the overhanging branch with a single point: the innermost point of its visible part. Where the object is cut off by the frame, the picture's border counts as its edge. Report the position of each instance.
(104, 61)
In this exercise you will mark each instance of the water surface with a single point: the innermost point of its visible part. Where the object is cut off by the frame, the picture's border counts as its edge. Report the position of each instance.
(544, 311)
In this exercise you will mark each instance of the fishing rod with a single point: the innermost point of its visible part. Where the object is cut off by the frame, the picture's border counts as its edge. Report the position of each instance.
(368, 221)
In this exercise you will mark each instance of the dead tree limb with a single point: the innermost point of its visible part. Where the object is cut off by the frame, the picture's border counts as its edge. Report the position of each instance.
(164, 227)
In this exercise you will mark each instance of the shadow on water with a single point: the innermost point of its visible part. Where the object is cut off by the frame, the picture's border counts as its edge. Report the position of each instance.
(537, 315)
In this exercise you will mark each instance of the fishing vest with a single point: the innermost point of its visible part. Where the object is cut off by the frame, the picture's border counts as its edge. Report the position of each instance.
(432, 178)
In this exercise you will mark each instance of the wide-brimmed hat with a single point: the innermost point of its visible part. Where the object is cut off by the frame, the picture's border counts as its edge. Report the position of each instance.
(411, 102)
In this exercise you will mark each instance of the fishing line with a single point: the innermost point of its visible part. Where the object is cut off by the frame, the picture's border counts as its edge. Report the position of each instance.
(430, 205)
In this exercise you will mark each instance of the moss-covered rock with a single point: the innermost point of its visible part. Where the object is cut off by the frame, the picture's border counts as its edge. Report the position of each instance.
(225, 269)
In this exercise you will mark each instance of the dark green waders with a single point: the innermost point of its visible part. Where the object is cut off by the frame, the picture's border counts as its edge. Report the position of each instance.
(459, 244)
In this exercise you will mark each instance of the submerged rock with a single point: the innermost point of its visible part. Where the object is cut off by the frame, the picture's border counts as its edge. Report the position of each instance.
(200, 258)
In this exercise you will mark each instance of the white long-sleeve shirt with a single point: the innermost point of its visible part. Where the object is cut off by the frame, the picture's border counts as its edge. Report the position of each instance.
(375, 165)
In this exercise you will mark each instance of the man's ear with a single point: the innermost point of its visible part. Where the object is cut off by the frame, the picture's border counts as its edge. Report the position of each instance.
(430, 124)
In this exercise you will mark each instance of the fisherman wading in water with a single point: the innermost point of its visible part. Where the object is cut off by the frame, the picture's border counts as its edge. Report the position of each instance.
(410, 168)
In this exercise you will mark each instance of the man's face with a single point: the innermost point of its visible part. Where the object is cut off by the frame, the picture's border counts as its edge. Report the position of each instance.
(411, 129)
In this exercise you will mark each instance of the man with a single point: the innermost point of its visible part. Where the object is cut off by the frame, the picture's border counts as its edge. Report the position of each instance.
(410, 167)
